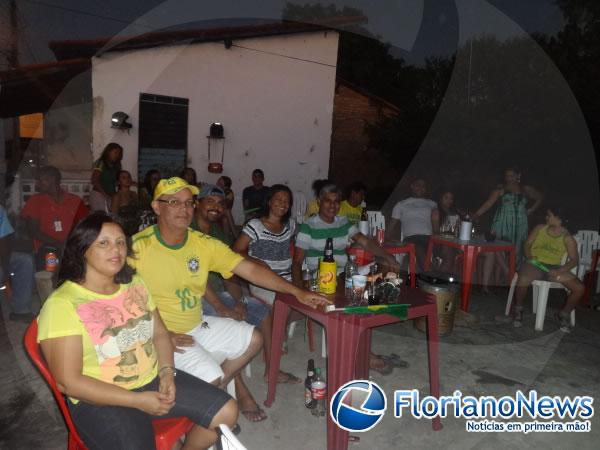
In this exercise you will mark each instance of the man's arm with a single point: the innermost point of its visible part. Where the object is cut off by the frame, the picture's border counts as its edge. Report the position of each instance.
(393, 229)
(34, 230)
(266, 278)
(297, 261)
(372, 246)
(222, 310)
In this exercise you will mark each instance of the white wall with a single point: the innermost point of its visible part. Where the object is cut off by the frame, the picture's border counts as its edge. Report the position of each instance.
(276, 110)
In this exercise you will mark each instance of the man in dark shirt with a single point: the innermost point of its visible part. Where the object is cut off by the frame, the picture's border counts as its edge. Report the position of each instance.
(254, 196)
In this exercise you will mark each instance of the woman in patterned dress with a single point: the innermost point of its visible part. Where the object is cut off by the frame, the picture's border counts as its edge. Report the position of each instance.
(510, 220)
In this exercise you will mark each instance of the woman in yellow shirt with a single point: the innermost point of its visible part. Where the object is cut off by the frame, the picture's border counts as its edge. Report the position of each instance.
(544, 249)
(111, 354)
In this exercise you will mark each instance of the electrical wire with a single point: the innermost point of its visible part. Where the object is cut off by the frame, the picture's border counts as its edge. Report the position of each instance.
(284, 56)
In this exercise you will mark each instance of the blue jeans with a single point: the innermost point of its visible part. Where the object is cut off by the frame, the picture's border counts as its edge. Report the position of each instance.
(255, 309)
(21, 266)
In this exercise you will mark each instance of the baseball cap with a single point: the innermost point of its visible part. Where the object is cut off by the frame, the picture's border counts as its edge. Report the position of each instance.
(210, 189)
(172, 186)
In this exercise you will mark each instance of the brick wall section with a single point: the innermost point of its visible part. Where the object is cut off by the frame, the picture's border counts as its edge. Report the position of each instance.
(351, 157)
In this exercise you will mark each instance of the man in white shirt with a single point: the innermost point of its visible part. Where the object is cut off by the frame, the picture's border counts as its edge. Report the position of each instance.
(415, 215)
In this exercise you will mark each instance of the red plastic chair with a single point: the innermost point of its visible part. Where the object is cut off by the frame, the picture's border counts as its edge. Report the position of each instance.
(166, 431)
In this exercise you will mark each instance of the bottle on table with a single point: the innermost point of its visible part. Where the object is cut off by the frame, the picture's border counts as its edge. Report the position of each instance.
(310, 376)
(371, 285)
(328, 270)
(363, 224)
(319, 394)
(350, 269)
(51, 260)
(306, 276)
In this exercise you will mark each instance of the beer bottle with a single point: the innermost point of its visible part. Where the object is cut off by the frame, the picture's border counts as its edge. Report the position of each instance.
(363, 225)
(328, 270)
(310, 375)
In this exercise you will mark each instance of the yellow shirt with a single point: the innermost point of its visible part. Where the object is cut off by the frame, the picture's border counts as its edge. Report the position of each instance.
(176, 275)
(312, 208)
(549, 249)
(116, 330)
(351, 212)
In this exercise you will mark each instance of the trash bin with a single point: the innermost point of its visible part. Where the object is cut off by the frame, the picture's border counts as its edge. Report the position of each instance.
(445, 288)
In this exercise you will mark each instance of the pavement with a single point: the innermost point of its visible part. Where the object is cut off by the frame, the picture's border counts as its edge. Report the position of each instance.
(480, 357)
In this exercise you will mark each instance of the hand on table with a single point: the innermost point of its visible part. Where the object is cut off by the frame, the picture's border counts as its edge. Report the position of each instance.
(312, 299)
(181, 340)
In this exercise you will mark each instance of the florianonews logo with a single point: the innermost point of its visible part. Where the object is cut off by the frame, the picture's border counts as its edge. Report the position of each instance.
(367, 415)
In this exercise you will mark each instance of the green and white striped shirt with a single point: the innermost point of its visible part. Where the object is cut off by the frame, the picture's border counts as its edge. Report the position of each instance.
(313, 234)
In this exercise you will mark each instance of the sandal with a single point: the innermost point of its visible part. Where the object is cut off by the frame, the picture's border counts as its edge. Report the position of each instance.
(395, 361)
(564, 322)
(287, 378)
(385, 369)
(518, 317)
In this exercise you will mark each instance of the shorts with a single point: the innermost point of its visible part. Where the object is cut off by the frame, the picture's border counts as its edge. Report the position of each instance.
(541, 275)
(222, 339)
(256, 311)
(118, 427)
(263, 294)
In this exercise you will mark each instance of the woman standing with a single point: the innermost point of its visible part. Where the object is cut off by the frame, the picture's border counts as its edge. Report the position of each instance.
(110, 352)
(104, 177)
(510, 221)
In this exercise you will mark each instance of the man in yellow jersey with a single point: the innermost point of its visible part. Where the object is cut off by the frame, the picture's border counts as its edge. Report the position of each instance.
(353, 205)
(174, 261)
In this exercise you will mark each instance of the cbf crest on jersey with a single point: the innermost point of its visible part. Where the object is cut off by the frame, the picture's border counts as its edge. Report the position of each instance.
(193, 264)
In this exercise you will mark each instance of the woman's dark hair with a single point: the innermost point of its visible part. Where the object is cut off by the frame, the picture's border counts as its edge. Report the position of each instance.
(226, 181)
(318, 184)
(148, 181)
(73, 266)
(270, 193)
(559, 212)
(444, 214)
(189, 170)
(109, 147)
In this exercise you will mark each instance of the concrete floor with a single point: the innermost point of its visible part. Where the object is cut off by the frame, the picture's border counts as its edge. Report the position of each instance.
(478, 358)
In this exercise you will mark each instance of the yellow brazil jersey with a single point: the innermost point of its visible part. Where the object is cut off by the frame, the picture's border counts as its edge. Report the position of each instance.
(176, 275)
(116, 330)
(352, 213)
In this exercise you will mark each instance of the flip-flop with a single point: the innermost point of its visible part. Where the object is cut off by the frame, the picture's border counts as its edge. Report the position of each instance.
(288, 378)
(395, 361)
(386, 369)
(254, 415)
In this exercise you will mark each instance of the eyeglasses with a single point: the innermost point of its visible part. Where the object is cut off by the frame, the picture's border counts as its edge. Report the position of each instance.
(173, 203)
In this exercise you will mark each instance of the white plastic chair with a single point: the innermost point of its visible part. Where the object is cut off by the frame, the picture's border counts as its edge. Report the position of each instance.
(299, 208)
(589, 241)
(541, 289)
(228, 440)
(376, 220)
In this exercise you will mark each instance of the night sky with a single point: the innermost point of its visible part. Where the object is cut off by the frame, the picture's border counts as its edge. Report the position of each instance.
(417, 29)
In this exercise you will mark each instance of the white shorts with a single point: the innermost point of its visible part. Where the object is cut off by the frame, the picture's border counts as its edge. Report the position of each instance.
(223, 339)
(263, 294)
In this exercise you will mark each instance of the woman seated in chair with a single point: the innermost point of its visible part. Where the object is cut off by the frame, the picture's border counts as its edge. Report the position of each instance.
(111, 354)
(545, 249)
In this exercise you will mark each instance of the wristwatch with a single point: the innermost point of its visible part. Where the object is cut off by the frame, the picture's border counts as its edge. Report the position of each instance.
(171, 368)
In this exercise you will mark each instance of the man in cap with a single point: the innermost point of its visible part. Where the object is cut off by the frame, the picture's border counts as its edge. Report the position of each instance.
(174, 261)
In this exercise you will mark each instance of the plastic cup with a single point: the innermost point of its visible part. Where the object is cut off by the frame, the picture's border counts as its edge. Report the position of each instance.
(359, 282)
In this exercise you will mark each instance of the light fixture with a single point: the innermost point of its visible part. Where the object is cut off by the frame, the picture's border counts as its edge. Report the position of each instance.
(216, 148)
(119, 120)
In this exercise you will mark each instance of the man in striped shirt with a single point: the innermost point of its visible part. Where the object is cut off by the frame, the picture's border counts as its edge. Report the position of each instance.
(310, 244)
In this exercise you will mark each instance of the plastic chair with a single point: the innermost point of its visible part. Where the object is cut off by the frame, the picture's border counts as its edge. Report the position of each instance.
(166, 431)
(590, 241)
(541, 289)
(299, 208)
(227, 440)
(376, 220)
